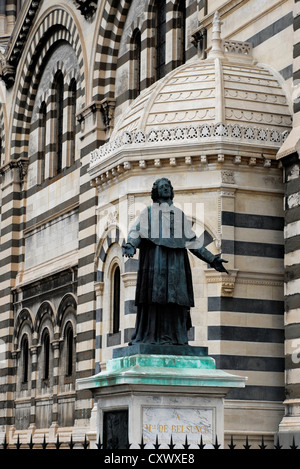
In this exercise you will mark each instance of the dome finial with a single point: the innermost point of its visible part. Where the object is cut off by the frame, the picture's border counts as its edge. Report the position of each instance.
(216, 39)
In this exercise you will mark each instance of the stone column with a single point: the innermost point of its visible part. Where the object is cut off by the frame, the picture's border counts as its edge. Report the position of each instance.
(91, 136)
(10, 249)
(55, 347)
(34, 378)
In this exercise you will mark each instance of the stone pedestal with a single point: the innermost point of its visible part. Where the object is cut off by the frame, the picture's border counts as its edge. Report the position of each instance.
(154, 396)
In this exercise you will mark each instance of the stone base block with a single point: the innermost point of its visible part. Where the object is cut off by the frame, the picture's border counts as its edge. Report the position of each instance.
(156, 397)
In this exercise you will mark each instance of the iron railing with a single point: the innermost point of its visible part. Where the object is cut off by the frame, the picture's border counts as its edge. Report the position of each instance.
(85, 444)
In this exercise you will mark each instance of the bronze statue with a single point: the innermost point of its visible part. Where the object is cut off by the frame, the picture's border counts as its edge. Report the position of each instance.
(164, 291)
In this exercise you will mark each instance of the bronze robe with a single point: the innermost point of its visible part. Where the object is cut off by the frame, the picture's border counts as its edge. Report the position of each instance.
(164, 291)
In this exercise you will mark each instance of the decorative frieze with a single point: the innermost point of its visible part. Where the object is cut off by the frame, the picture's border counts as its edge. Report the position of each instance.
(206, 133)
(237, 47)
(227, 177)
(104, 176)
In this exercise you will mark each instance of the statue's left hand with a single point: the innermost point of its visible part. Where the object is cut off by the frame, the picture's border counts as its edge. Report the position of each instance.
(217, 264)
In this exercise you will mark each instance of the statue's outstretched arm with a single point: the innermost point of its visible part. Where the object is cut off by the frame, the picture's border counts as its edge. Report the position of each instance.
(214, 261)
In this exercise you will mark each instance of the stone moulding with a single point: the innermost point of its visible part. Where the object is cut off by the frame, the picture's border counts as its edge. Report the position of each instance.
(206, 133)
(227, 282)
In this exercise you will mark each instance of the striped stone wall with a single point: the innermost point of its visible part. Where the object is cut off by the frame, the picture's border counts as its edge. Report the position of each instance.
(289, 157)
(250, 331)
(12, 212)
(292, 274)
(291, 164)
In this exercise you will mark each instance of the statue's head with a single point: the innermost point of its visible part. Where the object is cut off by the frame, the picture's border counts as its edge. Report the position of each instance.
(154, 192)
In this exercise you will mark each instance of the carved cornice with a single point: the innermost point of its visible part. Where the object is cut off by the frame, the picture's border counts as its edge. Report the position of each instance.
(99, 114)
(7, 72)
(21, 164)
(129, 279)
(227, 282)
(108, 110)
(223, 10)
(89, 110)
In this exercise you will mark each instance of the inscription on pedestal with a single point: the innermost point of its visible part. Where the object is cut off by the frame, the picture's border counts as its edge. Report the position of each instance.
(178, 422)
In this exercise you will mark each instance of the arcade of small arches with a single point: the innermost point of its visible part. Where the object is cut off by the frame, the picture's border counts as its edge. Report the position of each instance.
(44, 347)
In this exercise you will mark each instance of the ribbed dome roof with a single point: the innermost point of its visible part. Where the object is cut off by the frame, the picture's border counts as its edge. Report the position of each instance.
(210, 92)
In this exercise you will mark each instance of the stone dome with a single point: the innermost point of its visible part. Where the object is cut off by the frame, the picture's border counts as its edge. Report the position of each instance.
(210, 92)
(228, 97)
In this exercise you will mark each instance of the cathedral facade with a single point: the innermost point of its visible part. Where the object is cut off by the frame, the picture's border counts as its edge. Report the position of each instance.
(98, 99)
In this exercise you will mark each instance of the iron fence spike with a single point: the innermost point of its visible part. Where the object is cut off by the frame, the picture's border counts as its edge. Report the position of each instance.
(57, 444)
(156, 445)
(18, 444)
(171, 444)
(99, 444)
(85, 443)
(262, 446)
(5, 444)
(247, 446)
(186, 445)
(44, 444)
(231, 446)
(31, 444)
(142, 444)
(216, 445)
(201, 445)
(71, 444)
(294, 446)
(277, 446)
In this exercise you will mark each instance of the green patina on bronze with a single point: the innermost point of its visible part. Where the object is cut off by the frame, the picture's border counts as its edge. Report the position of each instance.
(163, 370)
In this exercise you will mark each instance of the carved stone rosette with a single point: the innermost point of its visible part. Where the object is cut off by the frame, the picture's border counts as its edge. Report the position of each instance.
(86, 7)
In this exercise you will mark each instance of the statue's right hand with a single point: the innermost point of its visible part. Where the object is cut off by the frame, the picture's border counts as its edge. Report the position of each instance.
(128, 250)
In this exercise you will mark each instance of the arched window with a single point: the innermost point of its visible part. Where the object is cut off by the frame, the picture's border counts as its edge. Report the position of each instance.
(69, 350)
(160, 38)
(58, 115)
(72, 119)
(42, 140)
(136, 62)
(116, 300)
(46, 356)
(181, 28)
(25, 359)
